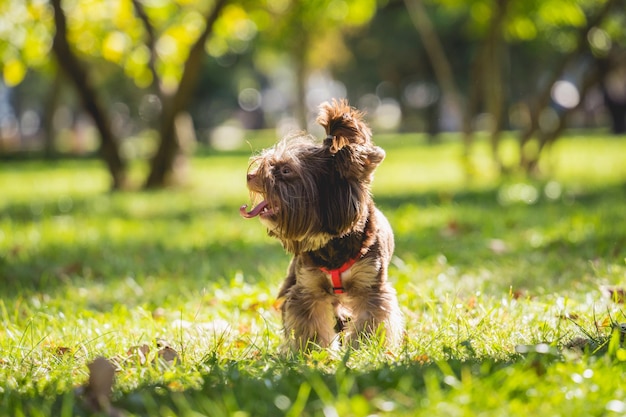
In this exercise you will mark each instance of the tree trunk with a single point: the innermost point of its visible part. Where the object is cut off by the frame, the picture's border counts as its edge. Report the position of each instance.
(493, 69)
(66, 59)
(546, 139)
(473, 104)
(162, 163)
(436, 53)
(51, 105)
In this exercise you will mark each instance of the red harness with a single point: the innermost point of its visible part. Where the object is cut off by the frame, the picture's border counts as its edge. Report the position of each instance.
(335, 274)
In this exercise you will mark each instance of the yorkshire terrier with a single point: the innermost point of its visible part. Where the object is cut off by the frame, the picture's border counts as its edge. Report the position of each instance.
(315, 198)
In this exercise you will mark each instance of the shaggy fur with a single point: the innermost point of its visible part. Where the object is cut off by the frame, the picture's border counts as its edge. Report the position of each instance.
(315, 198)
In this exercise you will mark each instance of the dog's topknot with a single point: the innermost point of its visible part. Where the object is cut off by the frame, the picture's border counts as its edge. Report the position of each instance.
(343, 124)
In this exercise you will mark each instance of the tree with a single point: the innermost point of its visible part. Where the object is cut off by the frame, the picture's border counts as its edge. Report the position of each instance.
(77, 73)
(173, 104)
(560, 28)
(158, 45)
(311, 33)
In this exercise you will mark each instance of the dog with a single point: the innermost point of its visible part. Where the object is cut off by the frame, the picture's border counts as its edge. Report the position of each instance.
(316, 199)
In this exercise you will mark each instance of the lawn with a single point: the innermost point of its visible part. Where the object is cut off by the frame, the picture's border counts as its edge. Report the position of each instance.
(511, 289)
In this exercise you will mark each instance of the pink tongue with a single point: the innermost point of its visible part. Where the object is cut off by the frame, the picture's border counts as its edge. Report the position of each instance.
(254, 212)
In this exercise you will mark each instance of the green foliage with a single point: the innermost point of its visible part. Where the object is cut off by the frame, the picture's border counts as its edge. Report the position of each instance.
(552, 22)
(111, 30)
(496, 279)
(25, 38)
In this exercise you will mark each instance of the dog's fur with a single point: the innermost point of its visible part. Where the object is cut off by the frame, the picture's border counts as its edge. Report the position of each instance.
(315, 198)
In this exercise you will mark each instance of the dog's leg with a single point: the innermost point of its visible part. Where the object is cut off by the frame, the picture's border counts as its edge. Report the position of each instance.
(375, 311)
(308, 319)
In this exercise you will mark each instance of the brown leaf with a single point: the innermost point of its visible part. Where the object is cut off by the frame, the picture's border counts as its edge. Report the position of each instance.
(516, 294)
(453, 228)
(100, 387)
(168, 354)
(616, 294)
(62, 350)
(569, 316)
(422, 359)
(471, 303)
(140, 352)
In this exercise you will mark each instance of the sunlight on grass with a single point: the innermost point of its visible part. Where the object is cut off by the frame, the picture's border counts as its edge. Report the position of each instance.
(484, 266)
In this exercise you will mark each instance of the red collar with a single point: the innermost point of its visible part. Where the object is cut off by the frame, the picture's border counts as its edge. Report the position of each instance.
(335, 274)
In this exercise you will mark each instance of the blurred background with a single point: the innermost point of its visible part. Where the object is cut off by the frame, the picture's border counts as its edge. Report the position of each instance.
(152, 80)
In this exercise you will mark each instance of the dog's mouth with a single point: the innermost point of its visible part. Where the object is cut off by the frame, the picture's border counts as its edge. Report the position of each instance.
(263, 209)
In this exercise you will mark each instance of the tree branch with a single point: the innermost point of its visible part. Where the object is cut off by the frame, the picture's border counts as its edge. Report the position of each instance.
(435, 50)
(68, 61)
(150, 43)
(169, 147)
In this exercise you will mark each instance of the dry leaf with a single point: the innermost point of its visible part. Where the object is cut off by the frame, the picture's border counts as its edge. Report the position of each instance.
(451, 229)
(422, 359)
(616, 294)
(166, 354)
(100, 387)
(516, 294)
(140, 352)
(169, 355)
(62, 350)
(569, 316)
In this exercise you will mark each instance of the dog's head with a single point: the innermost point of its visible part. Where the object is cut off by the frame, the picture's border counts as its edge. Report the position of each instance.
(307, 193)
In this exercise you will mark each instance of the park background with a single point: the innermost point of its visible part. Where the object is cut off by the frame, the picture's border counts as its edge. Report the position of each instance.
(125, 132)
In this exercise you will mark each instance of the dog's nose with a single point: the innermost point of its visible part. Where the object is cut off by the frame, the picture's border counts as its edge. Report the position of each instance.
(250, 177)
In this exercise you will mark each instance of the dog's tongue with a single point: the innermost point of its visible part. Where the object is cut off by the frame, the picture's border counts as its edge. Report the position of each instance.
(254, 212)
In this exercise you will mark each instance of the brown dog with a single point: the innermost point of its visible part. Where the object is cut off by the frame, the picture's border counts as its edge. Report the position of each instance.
(315, 198)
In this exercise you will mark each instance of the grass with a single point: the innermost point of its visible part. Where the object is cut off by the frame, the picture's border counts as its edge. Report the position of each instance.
(496, 277)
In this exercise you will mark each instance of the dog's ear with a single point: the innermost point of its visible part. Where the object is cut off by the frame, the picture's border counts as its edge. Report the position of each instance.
(375, 156)
(343, 124)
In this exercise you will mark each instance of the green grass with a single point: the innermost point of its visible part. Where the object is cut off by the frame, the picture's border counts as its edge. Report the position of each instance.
(496, 276)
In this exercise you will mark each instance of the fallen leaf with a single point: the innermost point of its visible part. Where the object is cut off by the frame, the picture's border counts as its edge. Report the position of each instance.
(569, 316)
(616, 294)
(168, 354)
(62, 350)
(451, 229)
(99, 388)
(139, 352)
(516, 294)
(422, 359)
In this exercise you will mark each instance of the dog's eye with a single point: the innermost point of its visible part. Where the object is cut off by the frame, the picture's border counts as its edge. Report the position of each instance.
(285, 170)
